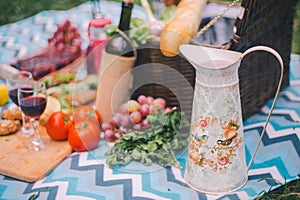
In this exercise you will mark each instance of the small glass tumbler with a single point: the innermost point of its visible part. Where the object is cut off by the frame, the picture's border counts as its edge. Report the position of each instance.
(14, 82)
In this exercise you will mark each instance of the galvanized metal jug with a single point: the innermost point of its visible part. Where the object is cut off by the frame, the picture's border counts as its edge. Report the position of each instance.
(216, 160)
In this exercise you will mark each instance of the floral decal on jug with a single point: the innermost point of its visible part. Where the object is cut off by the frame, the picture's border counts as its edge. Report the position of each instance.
(217, 152)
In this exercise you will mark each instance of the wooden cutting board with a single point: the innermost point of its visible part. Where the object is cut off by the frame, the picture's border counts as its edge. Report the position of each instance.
(18, 162)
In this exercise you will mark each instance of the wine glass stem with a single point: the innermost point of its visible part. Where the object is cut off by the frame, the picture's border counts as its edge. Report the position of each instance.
(25, 121)
(36, 136)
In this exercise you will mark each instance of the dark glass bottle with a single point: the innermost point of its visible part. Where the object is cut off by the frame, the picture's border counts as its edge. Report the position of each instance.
(118, 45)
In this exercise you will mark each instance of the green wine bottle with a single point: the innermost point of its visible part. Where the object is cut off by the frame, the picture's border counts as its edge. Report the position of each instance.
(118, 45)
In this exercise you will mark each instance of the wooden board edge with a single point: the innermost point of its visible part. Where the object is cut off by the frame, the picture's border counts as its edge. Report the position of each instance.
(32, 179)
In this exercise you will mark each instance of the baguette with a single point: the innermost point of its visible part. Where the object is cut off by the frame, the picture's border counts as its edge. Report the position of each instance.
(182, 28)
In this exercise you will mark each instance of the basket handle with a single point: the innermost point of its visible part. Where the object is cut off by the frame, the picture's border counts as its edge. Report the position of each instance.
(215, 19)
(276, 54)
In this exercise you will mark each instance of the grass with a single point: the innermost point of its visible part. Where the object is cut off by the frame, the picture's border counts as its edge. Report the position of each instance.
(287, 191)
(296, 31)
(14, 10)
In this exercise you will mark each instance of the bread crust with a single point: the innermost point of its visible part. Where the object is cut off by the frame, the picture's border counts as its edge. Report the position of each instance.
(182, 28)
(12, 114)
(8, 126)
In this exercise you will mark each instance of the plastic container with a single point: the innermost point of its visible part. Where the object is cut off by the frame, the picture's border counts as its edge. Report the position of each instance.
(98, 40)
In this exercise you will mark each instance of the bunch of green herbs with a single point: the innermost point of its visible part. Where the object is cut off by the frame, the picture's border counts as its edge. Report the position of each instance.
(168, 133)
(139, 32)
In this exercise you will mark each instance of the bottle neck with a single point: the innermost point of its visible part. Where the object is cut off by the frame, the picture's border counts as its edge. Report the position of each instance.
(96, 11)
(124, 23)
(118, 45)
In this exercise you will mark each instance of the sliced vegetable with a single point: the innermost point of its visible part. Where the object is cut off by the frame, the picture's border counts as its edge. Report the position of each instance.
(90, 83)
(59, 79)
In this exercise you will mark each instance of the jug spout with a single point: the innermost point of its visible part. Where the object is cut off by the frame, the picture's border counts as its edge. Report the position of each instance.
(209, 57)
(214, 67)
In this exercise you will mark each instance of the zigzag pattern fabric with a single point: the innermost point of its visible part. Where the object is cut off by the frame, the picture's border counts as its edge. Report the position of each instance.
(85, 175)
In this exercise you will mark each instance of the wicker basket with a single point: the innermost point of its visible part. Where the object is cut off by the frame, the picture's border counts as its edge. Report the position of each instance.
(269, 23)
(159, 72)
(265, 22)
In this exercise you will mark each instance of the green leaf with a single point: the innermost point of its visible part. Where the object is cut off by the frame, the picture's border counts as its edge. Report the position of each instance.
(34, 196)
(110, 30)
(136, 155)
(128, 136)
(136, 22)
(151, 146)
(147, 161)
(168, 13)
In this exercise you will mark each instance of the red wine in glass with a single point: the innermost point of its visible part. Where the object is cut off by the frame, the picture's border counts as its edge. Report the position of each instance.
(33, 103)
(13, 94)
(33, 106)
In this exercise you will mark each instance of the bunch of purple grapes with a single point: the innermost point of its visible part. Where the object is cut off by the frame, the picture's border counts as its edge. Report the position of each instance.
(66, 36)
(132, 115)
(63, 48)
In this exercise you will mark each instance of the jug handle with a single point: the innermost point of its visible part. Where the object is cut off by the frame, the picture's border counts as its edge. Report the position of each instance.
(276, 54)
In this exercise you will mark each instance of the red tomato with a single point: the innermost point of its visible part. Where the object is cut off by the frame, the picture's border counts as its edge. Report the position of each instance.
(84, 136)
(99, 118)
(83, 113)
(58, 125)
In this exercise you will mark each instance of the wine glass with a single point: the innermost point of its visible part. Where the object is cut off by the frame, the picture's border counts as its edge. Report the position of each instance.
(13, 82)
(33, 101)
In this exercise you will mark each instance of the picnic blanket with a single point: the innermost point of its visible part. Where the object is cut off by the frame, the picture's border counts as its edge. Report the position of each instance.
(85, 175)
